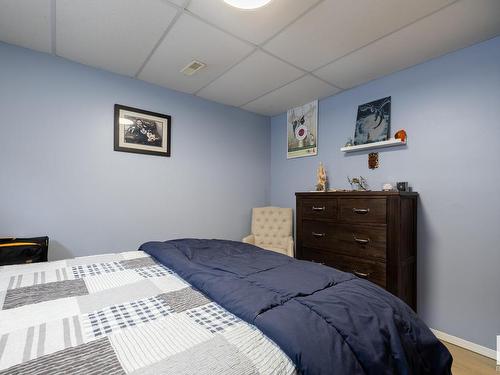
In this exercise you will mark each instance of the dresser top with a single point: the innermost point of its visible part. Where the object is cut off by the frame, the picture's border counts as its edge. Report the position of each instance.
(356, 193)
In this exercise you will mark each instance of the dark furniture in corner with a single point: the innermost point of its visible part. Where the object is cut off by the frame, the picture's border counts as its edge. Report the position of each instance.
(371, 234)
(23, 250)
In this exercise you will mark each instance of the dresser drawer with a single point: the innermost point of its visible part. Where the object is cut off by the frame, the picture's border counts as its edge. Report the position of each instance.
(318, 234)
(319, 208)
(371, 270)
(367, 269)
(361, 240)
(349, 239)
(363, 210)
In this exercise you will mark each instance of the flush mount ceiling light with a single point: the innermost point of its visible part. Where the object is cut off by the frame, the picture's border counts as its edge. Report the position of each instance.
(247, 4)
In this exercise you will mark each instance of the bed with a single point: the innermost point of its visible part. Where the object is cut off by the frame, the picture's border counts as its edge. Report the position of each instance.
(205, 307)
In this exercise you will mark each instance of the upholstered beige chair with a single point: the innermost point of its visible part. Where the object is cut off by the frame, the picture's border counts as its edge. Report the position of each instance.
(272, 229)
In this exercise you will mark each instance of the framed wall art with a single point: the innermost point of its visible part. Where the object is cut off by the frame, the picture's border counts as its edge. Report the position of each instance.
(302, 130)
(373, 122)
(141, 131)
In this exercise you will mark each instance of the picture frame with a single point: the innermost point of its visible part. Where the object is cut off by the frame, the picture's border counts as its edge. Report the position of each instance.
(140, 131)
(302, 130)
(373, 122)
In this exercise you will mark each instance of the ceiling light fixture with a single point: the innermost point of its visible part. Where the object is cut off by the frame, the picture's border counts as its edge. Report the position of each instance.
(247, 4)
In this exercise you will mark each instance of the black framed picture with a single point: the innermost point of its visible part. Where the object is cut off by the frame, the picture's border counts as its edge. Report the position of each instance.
(142, 132)
(373, 121)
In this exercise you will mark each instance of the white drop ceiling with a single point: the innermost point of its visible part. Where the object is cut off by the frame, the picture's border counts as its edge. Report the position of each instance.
(266, 60)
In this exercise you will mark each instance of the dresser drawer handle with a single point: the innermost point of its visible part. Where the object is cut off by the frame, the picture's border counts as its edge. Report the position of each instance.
(361, 211)
(363, 241)
(318, 235)
(362, 274)
(314, 208)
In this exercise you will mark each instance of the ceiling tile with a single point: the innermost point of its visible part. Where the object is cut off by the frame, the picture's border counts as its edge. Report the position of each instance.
(301, 91)
(116, 35)
(457, 26)
(253, 77)
(26, 23)
(256, 25)
(337, 27)
(191, 39)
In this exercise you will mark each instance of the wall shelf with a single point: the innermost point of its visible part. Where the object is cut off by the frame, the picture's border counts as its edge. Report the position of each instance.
(389, 143)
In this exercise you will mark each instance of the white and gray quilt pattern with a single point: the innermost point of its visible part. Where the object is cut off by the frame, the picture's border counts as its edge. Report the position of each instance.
(122, 314)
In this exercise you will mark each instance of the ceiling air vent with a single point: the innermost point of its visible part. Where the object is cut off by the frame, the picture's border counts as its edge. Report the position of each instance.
(192, 67)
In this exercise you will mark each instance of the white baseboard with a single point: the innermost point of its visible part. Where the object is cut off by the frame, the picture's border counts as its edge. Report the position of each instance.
(487, 352)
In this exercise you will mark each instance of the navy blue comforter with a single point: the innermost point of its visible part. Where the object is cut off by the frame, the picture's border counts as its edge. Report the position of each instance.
(325, 320)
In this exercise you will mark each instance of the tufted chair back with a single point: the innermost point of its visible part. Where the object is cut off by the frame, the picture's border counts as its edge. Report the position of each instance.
(272, 226)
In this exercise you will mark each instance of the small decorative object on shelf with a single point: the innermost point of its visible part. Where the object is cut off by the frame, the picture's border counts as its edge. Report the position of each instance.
(321, 178)
(358, 183)
(349, 142)
(373, 160)
(401, 134)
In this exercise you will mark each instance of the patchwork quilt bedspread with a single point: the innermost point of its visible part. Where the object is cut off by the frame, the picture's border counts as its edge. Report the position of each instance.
(122, 314)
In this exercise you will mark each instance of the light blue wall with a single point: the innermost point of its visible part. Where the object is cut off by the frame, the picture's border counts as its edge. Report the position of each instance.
(450, 108)
(60, 176)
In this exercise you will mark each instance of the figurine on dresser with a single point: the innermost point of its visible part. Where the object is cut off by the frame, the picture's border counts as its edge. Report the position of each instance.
(321, 178)
(358, 183)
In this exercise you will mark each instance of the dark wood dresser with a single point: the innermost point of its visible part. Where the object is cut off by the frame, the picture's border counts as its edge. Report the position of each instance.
(371, 234)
